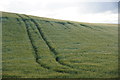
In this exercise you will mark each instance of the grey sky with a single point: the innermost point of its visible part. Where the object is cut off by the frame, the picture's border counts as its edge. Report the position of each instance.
(74, 10)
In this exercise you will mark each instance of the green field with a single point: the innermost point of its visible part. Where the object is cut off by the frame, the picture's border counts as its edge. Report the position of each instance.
(37, 47)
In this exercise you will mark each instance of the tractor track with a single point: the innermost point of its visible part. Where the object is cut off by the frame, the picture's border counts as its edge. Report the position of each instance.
(48, 44)
(31, 41)
(37, 58)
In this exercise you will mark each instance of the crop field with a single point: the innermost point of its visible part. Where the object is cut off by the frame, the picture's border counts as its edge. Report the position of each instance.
(37, 47)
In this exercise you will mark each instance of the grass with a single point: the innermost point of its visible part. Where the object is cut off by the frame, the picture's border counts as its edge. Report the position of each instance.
(36, 47)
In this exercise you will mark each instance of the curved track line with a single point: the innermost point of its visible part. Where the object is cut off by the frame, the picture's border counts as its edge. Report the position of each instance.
(46, 41)
(31, 41)
(51, 49)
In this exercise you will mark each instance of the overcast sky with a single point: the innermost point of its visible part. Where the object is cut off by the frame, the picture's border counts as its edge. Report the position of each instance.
(74, 10)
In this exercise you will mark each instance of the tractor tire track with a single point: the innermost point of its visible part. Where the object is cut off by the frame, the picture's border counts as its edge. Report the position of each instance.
(31, 41)
(35, 49)
(48, 44)
(37, 58)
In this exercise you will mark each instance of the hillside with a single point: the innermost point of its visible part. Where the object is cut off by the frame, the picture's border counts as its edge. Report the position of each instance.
(37, 47)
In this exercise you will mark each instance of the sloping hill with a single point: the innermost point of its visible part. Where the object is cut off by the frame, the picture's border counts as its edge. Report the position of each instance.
(36, 47)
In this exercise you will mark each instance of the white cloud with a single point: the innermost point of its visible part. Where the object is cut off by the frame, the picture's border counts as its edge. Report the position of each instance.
(73, 14)
(104, 17)
(66, 10)
(3, 4)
